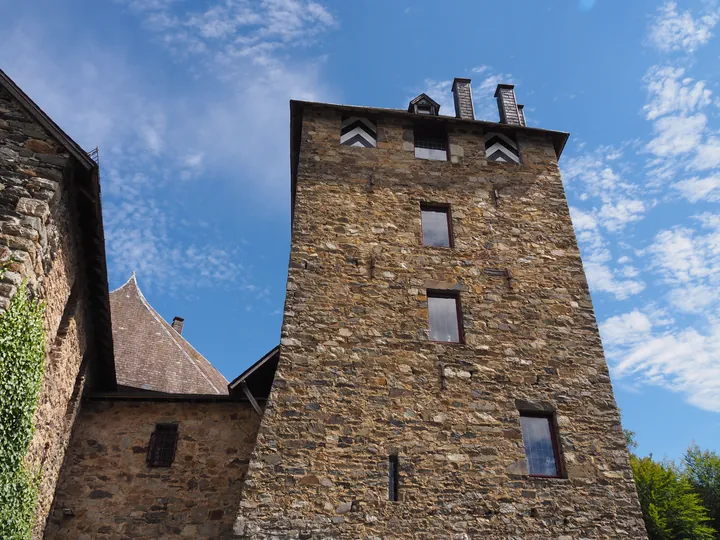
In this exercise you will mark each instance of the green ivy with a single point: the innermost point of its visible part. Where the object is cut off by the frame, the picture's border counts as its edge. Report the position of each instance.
(22, 354)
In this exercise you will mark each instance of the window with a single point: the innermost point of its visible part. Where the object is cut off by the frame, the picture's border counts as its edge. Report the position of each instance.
(430, 144)
(163, 442)
(444, 315)
(541, 444)
(436, 225)
(393, 477)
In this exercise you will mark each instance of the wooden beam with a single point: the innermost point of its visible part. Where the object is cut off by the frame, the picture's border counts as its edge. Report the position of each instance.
(250, 397)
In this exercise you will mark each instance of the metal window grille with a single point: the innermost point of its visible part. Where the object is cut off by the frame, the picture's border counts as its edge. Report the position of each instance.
(431, 142)
(393, 477)
(163, 443)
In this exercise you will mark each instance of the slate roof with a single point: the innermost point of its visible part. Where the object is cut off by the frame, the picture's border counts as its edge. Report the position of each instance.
(150, 355)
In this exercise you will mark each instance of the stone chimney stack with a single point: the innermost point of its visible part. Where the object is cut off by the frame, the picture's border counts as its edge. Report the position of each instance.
(177, 324)
(463, 99)
(507, 105)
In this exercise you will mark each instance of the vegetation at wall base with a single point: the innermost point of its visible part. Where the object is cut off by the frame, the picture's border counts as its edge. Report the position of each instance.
(22, 354)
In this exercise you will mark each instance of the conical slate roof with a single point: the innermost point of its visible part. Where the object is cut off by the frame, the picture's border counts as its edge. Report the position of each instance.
(151, 355)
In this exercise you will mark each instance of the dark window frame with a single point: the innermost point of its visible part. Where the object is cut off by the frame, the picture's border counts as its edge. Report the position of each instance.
(430, 131)
(455, 295)
(435, 207)
(393, 477)
(163, 445)
(551, 417)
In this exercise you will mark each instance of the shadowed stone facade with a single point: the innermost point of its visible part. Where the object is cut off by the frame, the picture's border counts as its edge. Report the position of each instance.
(48, 194)
(359, 379)
(107, 490)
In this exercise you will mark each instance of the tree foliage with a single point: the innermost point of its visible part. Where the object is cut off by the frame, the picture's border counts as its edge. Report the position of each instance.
(22, 354)
(671, 508)
(702, 469)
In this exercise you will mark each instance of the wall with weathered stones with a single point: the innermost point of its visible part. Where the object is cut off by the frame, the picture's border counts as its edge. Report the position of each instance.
(359, 379)
(112, 493)
(39, 241)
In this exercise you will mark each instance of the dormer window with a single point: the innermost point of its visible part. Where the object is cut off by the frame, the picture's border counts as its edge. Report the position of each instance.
(423, 104)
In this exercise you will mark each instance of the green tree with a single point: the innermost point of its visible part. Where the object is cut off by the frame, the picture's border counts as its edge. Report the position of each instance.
(702, 469)
(630, 441)
(670, 507)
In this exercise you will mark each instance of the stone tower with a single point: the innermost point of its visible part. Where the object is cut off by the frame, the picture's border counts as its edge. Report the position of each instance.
(441, 373)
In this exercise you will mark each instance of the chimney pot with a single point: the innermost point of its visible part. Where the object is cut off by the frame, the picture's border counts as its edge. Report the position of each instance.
(507, 105)
(463, 99)
(177, 324)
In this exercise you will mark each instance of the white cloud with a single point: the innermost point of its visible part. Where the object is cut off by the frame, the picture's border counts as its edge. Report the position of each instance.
(596, 256)
(614, 216)
(601, 278)
(685, 361)
(693, 298)
(675, 135)
(625, 329)
(669, 91)
(672, 30)
(700, 189)
(683, 256)
(708, 155)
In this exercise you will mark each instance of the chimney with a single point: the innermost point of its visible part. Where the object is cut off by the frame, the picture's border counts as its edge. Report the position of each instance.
(507, 105)
(177, 324)
(521, 110)
(463, 99)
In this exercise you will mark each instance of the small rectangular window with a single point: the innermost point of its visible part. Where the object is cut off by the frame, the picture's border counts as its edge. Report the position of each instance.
(541, 444)
(436, 225)
(163, 442)
(444, 315)
(393, 477)
(430, 144)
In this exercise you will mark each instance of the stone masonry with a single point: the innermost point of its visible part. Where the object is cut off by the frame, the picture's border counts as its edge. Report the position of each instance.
(359, 379)
(39, 243)
(107, 491)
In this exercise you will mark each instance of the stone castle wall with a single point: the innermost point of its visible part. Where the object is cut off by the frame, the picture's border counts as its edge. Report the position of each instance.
(359, 379)
(106, 489)
(39, 238)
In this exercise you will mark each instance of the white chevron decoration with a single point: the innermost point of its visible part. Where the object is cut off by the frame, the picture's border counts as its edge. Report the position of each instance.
(501, 148)
(357, 131)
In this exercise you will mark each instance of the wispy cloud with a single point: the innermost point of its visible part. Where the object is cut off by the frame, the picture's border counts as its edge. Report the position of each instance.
(223, 117)
(674, 30)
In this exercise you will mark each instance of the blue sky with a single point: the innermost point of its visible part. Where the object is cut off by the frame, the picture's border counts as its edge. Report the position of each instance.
(188, 102)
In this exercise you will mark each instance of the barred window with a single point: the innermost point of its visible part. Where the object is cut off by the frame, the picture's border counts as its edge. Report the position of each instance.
(430, 144)
(163, 443)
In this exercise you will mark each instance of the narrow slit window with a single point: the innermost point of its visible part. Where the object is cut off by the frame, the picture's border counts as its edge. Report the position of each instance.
(541, 445)
(444, 317)
(393, 477)
(436, 225)
(163, 443)
(431, 144)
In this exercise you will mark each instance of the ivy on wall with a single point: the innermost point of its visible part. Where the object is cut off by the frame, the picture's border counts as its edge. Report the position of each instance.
(22, 354)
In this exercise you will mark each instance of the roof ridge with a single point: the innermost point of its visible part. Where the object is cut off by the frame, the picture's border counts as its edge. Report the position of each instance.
(160, 320)
(46, 122)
